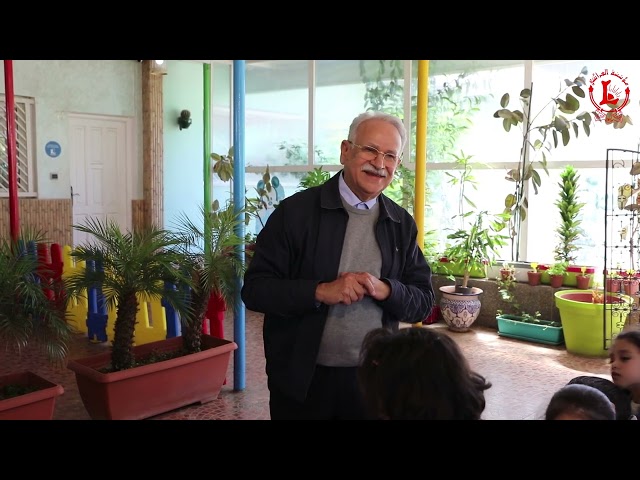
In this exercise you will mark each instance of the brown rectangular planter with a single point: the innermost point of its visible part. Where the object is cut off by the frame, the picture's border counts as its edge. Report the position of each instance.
(149, 390)
(38, 405)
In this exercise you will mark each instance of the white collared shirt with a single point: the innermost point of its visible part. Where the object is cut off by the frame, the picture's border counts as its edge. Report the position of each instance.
(351, 197)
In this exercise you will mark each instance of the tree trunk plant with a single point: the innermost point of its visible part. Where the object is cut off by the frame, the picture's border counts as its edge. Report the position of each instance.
(129, 266)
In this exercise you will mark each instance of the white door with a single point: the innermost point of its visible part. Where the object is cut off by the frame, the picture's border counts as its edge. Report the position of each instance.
(99, 151)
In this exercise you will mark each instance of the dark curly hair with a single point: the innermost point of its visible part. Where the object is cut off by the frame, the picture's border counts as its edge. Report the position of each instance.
(418, 373)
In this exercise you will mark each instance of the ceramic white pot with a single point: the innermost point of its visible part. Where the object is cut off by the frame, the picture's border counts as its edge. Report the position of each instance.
(460, 310)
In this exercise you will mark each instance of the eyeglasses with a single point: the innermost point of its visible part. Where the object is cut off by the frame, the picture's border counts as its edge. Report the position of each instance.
(369, 153)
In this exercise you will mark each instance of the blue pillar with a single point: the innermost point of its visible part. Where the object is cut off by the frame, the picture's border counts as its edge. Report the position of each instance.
(239, 355)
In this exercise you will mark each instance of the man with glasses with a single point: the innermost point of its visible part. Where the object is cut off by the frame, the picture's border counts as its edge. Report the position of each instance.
(332, 263)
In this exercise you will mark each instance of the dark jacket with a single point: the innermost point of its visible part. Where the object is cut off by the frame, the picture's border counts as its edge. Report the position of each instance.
(299, 247)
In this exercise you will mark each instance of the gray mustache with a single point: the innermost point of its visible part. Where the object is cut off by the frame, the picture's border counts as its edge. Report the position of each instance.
(381, 172)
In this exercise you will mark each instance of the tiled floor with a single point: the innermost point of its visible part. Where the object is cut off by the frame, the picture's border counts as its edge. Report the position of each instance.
(524, 376)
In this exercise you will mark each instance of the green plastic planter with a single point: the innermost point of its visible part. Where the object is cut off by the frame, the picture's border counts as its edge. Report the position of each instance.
(542, 331)
(569, 277)
(584, 323)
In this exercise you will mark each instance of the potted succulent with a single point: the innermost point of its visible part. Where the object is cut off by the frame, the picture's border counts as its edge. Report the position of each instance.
(473, 248)
(507, 271)
(534, 275)
(583, 279)
(613, 279)
(32, 313)
(556, 272)
(138, 381)
(630, 282)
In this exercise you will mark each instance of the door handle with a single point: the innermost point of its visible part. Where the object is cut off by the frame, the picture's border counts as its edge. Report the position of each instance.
(73, 195)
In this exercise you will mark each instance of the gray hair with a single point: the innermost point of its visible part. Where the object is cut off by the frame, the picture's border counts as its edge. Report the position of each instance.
(387, 117)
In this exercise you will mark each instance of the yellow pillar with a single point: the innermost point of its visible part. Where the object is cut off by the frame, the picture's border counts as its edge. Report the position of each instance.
(421, 151)
(421, 147)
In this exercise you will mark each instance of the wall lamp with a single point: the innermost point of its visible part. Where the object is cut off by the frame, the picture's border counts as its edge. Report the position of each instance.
(158, 67)
(184, 120)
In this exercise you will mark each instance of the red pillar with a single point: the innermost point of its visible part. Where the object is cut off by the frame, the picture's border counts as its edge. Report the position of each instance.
(14, 215)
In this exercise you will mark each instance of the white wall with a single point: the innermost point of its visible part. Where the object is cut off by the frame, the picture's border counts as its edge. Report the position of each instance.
(60, 87)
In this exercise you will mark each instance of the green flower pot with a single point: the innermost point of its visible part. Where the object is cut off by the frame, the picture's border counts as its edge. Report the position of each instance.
(587, 329)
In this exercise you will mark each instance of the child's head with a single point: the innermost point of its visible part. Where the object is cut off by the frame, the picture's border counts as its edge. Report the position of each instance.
(418, 373)
(620, 397)
(580, 402)
(624, 358)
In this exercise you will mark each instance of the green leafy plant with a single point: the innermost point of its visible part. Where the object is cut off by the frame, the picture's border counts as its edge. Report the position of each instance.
(477, 245)
(558, 268)
(507, 289)
(223, 165)
(315, 177)
(569, 231)
(223, 168)
(462, 179)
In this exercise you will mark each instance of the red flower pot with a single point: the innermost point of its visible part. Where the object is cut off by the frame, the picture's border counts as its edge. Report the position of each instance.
(534, 278)
(583, 281)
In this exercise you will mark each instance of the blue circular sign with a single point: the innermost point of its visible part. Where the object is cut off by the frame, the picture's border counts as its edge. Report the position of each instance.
(52, 149)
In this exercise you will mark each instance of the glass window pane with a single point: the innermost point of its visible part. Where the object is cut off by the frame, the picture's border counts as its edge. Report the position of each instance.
(276, 112)
(443, 205)
(221, 137)
(544, 219)
(284, 184)
(340, 96)
(548, 81)
(462, 102)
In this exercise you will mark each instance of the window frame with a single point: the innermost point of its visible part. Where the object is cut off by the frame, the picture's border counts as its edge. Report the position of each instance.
(26, 158)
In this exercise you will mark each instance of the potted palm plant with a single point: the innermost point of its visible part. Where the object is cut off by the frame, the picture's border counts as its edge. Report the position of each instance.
(211, 259)
(138, 381)
(32, 313)
(473, 248)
